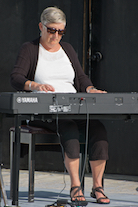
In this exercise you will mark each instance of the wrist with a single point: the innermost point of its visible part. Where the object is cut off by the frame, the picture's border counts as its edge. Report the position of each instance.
(30, 86)
(91, 88)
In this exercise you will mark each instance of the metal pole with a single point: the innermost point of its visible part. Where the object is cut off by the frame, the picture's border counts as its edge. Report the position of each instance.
(16, 160)
(90, 37)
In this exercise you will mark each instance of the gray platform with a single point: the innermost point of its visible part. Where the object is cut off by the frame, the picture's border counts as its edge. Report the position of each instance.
(122, 190)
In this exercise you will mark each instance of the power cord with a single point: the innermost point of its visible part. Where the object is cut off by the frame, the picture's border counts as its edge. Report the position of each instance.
(64, 202)
(86, 140)
(62, 149)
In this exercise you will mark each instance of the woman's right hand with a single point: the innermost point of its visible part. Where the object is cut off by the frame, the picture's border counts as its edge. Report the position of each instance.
(44, 87)
(33, 86)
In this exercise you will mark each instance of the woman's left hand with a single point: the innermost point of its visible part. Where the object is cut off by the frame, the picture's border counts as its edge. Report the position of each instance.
(97, 91)
(92, 89)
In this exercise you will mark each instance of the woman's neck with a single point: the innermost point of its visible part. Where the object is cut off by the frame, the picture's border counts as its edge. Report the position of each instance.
(50, 48)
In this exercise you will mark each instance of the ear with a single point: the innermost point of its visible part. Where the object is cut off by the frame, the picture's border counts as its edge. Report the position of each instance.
(40, 26)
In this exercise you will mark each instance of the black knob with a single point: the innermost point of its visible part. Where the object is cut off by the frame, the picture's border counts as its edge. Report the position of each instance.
(97, 56)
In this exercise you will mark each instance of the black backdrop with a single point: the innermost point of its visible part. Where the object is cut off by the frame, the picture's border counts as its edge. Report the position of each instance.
(115, 35)
(112, 30)
(19, 23)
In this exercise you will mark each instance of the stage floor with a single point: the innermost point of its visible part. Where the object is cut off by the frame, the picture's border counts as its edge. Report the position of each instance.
(122, 190)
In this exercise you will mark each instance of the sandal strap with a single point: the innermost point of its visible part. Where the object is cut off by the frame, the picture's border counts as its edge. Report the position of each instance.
(102, 198)
(78, 189)
(75, 187)
(94, 190)
(98, 190)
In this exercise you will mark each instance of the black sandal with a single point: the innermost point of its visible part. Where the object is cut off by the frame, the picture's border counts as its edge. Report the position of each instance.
(76, 201)
(92, 194)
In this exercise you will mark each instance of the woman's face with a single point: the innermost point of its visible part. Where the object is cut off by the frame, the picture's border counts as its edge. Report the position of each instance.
(49, 38)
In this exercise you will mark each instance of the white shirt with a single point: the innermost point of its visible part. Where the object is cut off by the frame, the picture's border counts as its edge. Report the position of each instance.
(55, 68)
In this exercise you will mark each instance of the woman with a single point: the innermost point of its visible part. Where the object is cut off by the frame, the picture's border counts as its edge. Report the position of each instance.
(49, 65)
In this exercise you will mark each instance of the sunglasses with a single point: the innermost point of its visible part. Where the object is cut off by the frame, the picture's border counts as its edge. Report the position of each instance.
(54, 30)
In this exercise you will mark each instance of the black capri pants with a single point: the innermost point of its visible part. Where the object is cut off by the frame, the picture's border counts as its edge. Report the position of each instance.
(70, 132)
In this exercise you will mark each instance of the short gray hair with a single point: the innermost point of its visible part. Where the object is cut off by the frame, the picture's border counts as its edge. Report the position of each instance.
(53, 15)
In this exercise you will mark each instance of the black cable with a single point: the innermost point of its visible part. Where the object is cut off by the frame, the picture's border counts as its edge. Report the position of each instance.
(86, 140)
(86, 146)
(62, 149)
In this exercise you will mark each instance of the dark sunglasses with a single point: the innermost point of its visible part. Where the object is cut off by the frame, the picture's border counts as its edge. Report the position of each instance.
(54, 30)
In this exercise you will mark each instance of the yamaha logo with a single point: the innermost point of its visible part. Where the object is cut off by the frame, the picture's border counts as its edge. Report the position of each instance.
(27, 100)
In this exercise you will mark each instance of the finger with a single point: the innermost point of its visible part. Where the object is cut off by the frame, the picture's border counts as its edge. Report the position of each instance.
(42, 88)
(99, 91)
(47, 88)
(50, 88)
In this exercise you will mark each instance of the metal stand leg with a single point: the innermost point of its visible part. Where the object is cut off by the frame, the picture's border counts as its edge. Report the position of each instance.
(81, 165)
(31, 167)
(11, 162)
(16, 160)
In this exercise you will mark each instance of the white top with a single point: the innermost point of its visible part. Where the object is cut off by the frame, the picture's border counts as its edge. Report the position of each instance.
(55, 68)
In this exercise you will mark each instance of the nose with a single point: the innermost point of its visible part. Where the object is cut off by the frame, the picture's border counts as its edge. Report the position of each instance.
(56, 34)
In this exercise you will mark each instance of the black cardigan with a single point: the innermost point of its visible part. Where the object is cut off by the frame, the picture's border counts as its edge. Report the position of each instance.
(26, 63)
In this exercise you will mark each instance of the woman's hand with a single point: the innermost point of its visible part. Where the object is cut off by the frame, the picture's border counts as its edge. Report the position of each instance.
(97, 91)
(92, 89)
(44, 87)
(33, 86)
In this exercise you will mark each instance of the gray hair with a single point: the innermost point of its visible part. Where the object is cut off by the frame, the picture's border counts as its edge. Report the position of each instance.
(53, 15)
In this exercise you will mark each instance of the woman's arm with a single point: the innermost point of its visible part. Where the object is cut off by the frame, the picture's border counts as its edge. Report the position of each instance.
(25, 65)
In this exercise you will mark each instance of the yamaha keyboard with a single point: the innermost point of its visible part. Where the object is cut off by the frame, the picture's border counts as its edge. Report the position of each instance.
(68, 103)
(76, 105)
